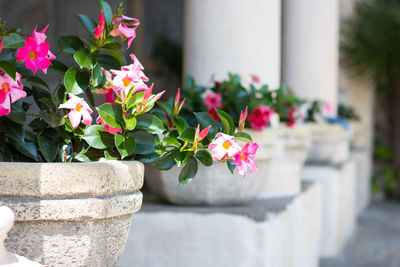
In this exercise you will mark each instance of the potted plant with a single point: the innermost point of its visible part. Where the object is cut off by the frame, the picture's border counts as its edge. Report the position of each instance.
(73, 181)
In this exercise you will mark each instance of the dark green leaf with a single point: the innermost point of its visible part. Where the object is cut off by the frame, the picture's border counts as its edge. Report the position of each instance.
(180, 124)
(165, 162)
(150, 123)
(206, 120)
(76, 81)
(117, 55)
(166, 107)
(96, 137)
(204, 157)
(243, 136)
(17, 114)
(15, 131)
(37, 124)
(83, 58)
(47, 147)
(13, 40)
(124, 144)
(227, 122)
(187, 135)
(107, 11)
(231, 166)
(69, 44)
(88, 23)
(9, 68)
(145, 142)
(149, 158)
(26, 148)
(188, 171)
(111, 114)
(180, 157)
(39, 84)
(109, 62)
(58, 66)
(97, 75)
(52, 119)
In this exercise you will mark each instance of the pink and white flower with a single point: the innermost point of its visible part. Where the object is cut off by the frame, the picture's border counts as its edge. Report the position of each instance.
(224, 146)
(98, 31)
(242, 120)
(10, 91)
(245, 159)
(178, 106)
(148, 100)
(213, 100)
(129, 76)
(126, 27)
(36, 52)
(79, 110)
(108, 128)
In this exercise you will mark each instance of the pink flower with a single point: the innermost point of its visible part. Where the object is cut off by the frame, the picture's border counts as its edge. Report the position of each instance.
(255, 78)
(1, 44)
(213, 114)
(126, 27)
(245, 158)
(108, 128)
(36, 52)
(79, 109)
(98, 31)
(128, 77)
(260, 117)
(148, 100)
(242, 120)
(224, 146)
(213, 100)
(327, 109)
(291, 118)
(10, 91)
(178, 106)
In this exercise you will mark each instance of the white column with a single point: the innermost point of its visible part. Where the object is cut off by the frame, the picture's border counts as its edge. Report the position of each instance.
(310, 48)
(232, 36)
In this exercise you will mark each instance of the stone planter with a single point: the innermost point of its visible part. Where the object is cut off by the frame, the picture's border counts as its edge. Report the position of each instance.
(76, 214)
(215, 185)
(330, 144)
(284, 178)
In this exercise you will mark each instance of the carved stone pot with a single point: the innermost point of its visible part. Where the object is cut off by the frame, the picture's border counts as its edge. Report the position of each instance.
(215, 185)
(71, 214)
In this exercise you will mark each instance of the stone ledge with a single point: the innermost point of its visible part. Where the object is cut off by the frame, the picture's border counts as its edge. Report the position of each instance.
(73, 209)
(274, 232)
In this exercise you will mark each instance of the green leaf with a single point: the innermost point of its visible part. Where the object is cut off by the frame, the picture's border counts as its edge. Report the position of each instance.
(13, 40)
(83, 58)
(26, 148)
(180, 157)
(109, 62)
(111, 114)
(108, 156)
(204, 157)
(187, 135)
(58, 66)
(9, 68)
(47, 147)
(97, 75)
(124, 144)
(39, 84)
(17, 114)
(69, 44)
(170, 141)
(150, 123)
(48, 102)
(243, 136)
(166, 107)
(76, 81)
(231, 166)
(227, 122)
(16, 132)
(107, 11)
(180, 124)
(37, 124)
(189, 82)
(88, 23)
(130, 123)
(52, 119)
(96, 137)
(145, 142)
(206, 120)
(165, 162)
(188, 171)
(149, 158)
(117, 55)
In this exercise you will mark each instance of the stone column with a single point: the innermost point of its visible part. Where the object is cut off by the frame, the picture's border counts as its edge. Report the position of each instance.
(232, 36)
(310, 48)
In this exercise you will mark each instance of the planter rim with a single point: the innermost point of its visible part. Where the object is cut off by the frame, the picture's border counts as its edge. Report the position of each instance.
(63, 180)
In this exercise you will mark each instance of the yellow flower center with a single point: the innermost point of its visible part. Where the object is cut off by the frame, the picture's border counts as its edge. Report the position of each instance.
(243, 156)
(32, 55)
(4, 86)
(127, 82)
(226, 145)
(78, 107)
